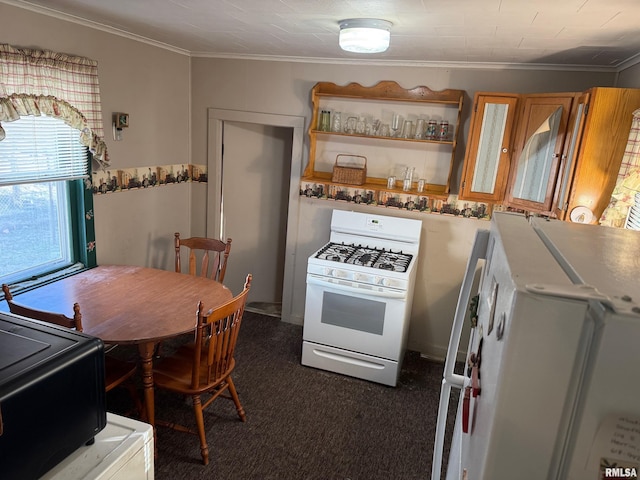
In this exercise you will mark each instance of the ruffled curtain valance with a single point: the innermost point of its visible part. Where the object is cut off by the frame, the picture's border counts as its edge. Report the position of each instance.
(36, 82)
(16, 106)
(628, 183)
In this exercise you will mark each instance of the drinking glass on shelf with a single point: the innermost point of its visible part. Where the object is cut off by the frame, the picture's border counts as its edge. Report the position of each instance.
(325, 120)
(408, 179)
(391, 182)
(432, 128)
(384, 130)
(375, 127)
(407, 129)
(351, 125)
(395, 124)
(336, 122)
(419, 135)
(443, 131)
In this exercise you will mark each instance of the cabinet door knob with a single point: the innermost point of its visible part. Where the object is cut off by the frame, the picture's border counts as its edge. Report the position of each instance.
(504, 150)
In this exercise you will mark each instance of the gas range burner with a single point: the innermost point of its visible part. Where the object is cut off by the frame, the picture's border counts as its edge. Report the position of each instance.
(396, 262)
(365, 256)
(336, 252)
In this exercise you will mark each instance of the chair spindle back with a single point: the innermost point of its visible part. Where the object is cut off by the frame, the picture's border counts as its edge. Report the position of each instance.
(216, 338)
(214, 253)
(60, 319)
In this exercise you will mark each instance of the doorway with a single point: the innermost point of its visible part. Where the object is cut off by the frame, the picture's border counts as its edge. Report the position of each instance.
(254, 164)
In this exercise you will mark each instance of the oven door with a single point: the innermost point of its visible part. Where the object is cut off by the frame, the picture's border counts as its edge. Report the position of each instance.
(360, 318)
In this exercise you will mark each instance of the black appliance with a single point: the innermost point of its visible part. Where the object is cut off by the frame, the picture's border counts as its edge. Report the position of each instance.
(52, 397)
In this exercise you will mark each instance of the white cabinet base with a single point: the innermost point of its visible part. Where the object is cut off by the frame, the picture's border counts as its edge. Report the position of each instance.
(123, 450)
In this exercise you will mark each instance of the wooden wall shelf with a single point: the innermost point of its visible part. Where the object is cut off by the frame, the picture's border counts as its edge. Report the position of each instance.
(384, 153)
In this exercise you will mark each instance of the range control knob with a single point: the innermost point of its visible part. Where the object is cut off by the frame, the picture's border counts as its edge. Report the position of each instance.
(328, 272)
(340, 274)
(385, 282)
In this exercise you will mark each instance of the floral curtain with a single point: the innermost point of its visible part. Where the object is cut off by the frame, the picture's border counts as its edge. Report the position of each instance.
(36, 82)
(628, 182)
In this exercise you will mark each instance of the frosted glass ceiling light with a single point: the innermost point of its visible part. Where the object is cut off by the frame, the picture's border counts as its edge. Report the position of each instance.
(364, 35)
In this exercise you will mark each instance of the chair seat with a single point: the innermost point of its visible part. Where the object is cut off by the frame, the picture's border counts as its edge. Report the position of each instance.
(175, 372)
(117, 371)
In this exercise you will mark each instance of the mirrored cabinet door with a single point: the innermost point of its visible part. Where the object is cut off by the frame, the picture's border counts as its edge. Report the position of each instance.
(487, 158)
(538, 150)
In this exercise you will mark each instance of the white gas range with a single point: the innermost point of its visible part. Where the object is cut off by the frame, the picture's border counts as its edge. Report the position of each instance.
(359, 294)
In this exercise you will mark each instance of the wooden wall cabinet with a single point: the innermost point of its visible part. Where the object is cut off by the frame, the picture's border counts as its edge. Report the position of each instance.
(548, 153)
(488, 156)
(514, 149)
(386, 156)
(593, 153)
(542, 129)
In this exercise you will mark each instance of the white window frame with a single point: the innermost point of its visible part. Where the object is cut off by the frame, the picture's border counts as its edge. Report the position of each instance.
(57, 156)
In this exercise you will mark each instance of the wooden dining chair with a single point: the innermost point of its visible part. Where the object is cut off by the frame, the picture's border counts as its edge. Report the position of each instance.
(204, 367)
(117, 371)
(207, 258)
(212, 253)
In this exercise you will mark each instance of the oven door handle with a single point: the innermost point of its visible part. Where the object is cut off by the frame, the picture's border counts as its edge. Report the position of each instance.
(330, 282)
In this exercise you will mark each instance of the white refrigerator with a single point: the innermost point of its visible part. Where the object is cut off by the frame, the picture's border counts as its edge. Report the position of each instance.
(551, 384)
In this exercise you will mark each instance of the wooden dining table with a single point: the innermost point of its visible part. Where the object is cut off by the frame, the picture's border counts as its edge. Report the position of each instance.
(131, 305)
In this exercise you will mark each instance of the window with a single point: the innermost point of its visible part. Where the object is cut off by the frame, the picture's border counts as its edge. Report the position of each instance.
(42, 220)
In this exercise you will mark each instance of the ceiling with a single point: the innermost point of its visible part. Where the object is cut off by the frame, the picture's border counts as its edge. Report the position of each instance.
(570, 33)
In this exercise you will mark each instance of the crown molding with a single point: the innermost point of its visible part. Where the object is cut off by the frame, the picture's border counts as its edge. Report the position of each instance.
(91, 24)
(411, 63)
(628, 63)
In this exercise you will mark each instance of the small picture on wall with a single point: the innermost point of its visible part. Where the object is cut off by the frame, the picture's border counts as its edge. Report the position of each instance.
(121, 120)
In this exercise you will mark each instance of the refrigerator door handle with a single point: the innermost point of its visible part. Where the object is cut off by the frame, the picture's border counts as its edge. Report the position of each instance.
(451, 379)
(466, 407)
(478, 252)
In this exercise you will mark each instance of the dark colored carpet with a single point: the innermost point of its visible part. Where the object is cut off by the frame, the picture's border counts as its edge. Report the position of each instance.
(302, 423)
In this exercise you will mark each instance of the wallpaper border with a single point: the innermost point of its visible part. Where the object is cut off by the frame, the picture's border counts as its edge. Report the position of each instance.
(113, 180)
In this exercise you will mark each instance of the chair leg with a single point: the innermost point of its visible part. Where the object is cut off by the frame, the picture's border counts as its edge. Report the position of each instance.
(204, 448)
(236, 399)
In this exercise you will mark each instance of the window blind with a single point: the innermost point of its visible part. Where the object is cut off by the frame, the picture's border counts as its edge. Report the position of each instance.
(41, 149)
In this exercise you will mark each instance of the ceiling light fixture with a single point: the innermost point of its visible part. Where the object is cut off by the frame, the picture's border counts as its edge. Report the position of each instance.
(364, 35)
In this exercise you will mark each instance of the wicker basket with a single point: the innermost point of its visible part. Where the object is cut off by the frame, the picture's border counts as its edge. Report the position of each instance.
(350, 175)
